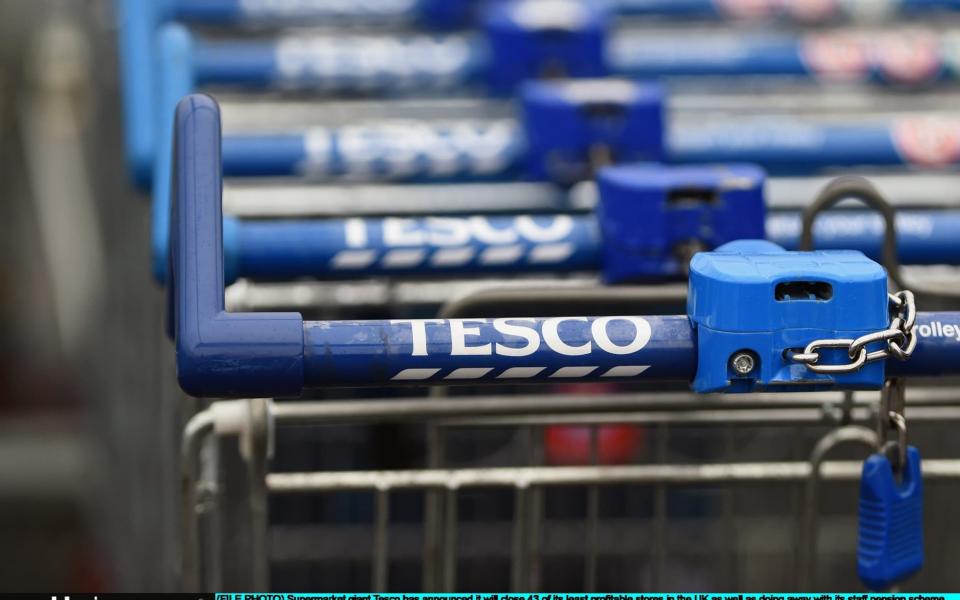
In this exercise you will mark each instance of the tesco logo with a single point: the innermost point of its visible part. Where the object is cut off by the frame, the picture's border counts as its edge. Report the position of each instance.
(464, 334)
(453, 231)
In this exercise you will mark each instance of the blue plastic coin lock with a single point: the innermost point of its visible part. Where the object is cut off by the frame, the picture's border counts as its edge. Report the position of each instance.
(754, 300)
(890, 545)
(566, 121)
(648, 213)
(536, 39)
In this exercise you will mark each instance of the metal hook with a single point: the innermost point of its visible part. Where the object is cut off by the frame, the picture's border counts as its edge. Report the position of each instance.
(809, 527)
(900, 423)
(853, 187)
(859, 188)
(891, 417)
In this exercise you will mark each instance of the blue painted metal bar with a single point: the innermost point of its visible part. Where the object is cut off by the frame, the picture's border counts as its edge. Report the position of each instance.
(898, 58)
(411, 64)
(785, 146)
(802, 11)
(477, 150)
(417, 63)
(451, 13)
(390, 151)
(391, 64)
(221, 354)
(437, 245)
(358, 247)
(393, 13)
(923, 237)
(508, 351)
(370, 13)
(936, 354)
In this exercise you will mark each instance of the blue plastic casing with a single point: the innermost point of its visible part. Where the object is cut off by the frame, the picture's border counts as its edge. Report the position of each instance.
(890, 545)
(565, 120)
(646, 211)
(754, 296)
(532, 39)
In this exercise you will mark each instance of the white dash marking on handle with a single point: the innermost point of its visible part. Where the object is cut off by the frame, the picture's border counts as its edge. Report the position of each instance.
(520, 372)
(414, 374)
(452, 257)
(501, 255)
(399, 259)
(573, 371)
(469, 373)
(353, 259)
(626, 371)
(551, 253)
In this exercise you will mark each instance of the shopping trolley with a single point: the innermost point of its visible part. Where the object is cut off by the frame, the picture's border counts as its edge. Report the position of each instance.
(217, 356)
(279, 354)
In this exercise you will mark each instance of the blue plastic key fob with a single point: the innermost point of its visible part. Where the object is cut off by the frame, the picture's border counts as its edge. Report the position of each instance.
(890, 547)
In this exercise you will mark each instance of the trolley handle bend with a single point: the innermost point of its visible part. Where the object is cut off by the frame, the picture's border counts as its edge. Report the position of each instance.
(218, 353)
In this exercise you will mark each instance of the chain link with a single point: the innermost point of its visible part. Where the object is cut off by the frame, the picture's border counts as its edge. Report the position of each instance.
(899, 337)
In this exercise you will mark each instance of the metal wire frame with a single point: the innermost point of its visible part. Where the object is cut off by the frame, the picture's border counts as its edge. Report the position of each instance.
(529, 483)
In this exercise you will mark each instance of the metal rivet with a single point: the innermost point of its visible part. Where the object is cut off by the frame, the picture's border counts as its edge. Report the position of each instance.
(743, 363)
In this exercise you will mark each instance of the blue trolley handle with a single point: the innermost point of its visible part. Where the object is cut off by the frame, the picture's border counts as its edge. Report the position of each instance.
(139, 21)
(799, 11)
(501, 58)
(221, 354)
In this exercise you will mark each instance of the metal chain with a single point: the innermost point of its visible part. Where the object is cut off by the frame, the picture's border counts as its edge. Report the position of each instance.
(899, 337)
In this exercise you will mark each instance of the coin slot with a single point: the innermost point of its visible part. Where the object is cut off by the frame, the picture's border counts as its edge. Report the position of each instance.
(791, 291)
(689, 195)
